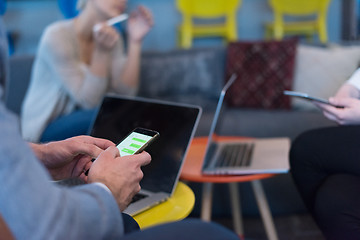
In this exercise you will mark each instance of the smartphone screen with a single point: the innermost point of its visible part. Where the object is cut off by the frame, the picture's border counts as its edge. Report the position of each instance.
(136, 141)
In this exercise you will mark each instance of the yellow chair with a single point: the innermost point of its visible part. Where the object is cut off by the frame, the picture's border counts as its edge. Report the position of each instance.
(207, 10)
(316, 10)
(176, 208)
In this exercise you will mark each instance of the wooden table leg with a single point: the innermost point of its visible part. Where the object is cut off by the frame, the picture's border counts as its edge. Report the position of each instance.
(236, 208)
(206, 205)
(264, 210)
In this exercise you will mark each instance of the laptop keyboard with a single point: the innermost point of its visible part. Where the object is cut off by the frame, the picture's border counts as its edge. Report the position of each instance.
(235, 155)
(138, 197)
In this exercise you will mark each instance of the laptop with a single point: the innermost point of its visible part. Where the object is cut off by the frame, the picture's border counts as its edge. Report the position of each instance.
(176, 124)
(251, 156)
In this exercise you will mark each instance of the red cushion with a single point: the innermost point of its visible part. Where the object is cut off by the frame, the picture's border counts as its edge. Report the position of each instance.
(264, 69)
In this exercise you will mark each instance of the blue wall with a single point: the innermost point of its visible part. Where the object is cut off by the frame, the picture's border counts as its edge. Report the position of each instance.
(28, 18)
(251, 17)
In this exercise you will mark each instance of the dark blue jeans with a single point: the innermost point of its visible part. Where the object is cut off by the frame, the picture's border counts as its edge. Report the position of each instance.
(188, 229)
(74, 124)
(130, 225)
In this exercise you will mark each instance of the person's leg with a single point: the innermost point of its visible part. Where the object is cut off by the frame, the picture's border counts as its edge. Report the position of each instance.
(189, 229)
(74, 124)
(130, 225)
(319, 153)
(337, 208)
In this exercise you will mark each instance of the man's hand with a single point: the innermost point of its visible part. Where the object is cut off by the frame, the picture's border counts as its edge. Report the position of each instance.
(70, 157)
(349, 115)
(121, 175)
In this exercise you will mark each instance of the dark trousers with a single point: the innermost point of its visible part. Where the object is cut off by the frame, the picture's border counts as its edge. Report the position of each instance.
(188, 229)
(325, 165)
(130, 225)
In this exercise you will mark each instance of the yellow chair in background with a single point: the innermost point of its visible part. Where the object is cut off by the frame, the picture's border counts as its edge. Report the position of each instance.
(316, 10)
(205, 10)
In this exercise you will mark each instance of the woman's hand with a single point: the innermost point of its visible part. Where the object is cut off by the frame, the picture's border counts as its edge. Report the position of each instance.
(349, 115)
(139, 24)
(105, 37)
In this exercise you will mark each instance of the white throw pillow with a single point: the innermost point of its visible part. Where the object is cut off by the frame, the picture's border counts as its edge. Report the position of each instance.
(320, 71)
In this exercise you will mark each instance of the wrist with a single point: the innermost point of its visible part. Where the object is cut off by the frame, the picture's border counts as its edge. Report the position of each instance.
(100, 63)
(103, 186)
(135, 43)
(39, 150)
(102, 50)
(348, 90)
(102, 53)
(94, 179)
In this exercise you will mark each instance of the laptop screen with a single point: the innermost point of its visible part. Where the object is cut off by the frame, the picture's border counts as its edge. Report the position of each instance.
(176, 123)
(214, 123)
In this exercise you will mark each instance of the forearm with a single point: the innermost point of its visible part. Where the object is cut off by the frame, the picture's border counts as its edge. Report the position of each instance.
(28, 194)
(84, 85)
(100, 62)
(351, 87)
(93, 209)
(40, 153)
(87, 206)
(38, 150)
(130, 73)
(90, 83)
(348, 90)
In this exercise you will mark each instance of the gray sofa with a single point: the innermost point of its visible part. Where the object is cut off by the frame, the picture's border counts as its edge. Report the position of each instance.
(196, 76)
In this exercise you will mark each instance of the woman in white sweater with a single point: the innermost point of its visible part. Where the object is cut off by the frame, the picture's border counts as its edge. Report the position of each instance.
(76, 65)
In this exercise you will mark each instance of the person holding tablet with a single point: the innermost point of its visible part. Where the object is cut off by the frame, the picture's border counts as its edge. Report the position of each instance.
(326, 168)
(77, 63)
(347, 96)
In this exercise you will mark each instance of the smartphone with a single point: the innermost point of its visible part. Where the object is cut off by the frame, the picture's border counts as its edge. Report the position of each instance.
(137, 141)
(307, 97)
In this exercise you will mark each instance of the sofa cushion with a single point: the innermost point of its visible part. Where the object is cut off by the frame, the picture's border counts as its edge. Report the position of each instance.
(264, 69)
(19, 78)
(183, 75)
(320, 71)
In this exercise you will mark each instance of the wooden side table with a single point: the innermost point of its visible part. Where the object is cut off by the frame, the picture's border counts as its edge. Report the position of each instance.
(192, 172)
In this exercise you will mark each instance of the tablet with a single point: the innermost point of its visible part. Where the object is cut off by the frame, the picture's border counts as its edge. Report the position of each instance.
(310, 98)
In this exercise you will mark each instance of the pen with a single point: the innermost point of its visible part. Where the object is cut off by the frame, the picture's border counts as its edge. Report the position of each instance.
(112, 21)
